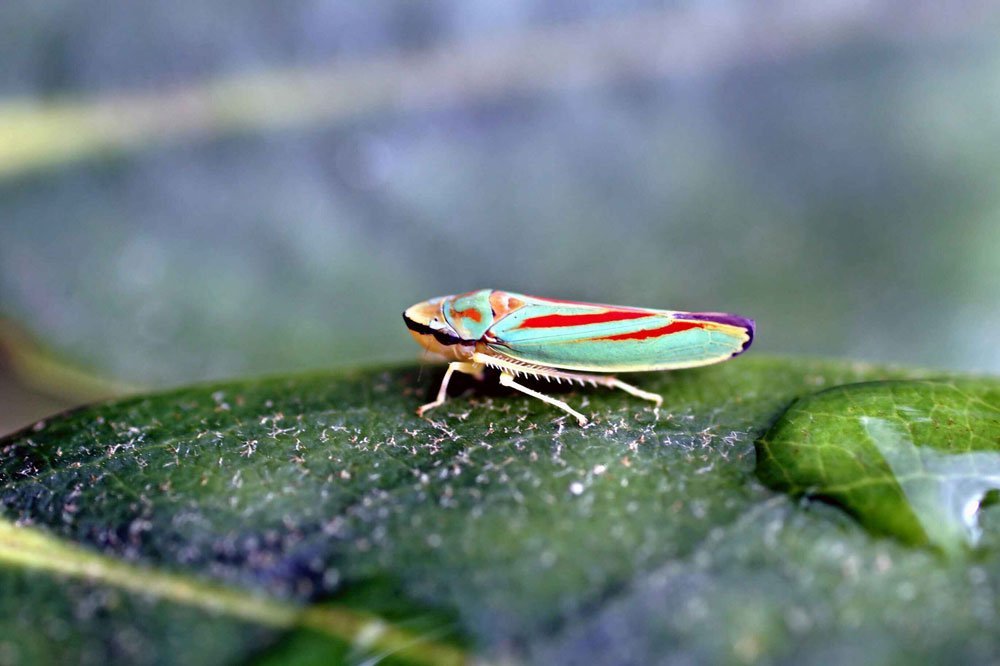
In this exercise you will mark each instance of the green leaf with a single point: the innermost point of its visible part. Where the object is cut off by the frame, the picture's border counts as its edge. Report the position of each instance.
(913, 459)
(316, 518)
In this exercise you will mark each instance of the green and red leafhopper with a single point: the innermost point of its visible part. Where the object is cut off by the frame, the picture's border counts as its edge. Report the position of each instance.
(566, 340)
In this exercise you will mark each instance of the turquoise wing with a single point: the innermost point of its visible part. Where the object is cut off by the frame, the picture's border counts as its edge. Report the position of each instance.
(610, 338)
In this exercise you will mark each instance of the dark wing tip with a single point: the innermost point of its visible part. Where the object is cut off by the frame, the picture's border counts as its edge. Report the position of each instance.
(749, 325)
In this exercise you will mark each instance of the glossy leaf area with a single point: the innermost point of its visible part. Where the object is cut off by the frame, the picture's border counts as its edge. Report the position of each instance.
(912, 459)
(315, 519)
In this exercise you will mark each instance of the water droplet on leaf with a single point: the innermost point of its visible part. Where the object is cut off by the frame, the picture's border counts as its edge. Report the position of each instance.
(910, 459)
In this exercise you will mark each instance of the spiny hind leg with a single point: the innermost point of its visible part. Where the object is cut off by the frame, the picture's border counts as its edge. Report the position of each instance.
(507, 379)
(558, 375)
(614, 382)
(459, 366)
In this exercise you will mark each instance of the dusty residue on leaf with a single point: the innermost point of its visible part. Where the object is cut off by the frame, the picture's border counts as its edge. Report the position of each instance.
(514, 521)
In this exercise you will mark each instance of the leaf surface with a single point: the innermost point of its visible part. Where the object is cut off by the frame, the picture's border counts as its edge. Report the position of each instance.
(913, 459)
(315, 517)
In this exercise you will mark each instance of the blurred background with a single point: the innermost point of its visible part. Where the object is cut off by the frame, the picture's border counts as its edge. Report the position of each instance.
(193, 191)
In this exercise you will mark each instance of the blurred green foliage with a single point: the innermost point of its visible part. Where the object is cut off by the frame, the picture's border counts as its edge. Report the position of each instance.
(837, 184)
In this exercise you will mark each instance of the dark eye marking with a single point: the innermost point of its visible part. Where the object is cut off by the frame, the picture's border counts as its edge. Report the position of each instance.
(423, 329)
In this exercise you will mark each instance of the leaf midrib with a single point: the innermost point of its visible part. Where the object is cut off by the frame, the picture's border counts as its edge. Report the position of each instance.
(31, 548)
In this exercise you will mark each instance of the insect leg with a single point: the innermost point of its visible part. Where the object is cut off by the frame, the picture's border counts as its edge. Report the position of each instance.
(614, 382)
(507, 379)
(552, 373)
(460, 366)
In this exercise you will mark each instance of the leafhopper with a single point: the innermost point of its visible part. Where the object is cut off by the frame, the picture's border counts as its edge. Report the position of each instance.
(568, 341)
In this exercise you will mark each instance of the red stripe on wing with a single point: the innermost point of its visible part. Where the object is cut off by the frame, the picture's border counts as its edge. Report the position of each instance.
(672, 327)
(559, 320)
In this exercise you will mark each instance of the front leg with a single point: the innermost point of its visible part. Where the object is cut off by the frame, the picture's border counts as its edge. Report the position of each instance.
(460, 366)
